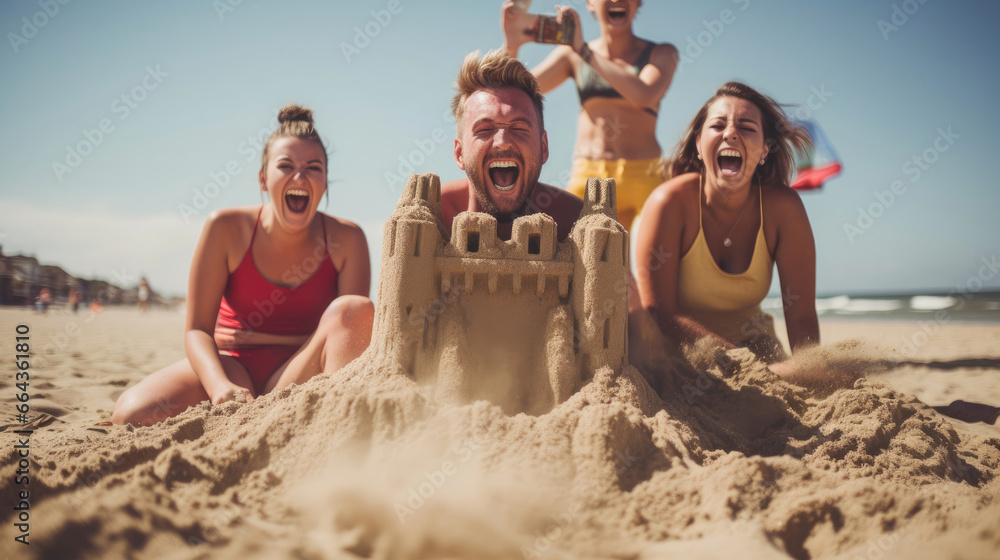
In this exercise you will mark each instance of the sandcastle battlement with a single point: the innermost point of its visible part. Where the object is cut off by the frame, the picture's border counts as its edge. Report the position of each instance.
(600, 198)
(522, 322)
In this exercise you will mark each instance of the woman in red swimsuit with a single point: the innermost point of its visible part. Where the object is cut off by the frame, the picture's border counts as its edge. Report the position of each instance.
(276, 295)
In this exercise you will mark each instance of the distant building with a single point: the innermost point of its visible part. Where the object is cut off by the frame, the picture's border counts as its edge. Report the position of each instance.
(22, 278)
(523, 323)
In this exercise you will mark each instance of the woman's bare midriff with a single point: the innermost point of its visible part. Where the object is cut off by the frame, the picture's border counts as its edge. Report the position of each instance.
(615, 129)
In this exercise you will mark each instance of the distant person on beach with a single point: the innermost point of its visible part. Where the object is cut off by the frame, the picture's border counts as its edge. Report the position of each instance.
(621, 80)
(143, 294)
(73, 301)
(277, 293)
(501, 145)
(712, 233)
(43, 301)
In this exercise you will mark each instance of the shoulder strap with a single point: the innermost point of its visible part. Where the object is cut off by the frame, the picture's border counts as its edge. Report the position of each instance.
(701, 191)
(257, 221)
(760, 201)
(643, 59)
(641, 63)
(322, 222)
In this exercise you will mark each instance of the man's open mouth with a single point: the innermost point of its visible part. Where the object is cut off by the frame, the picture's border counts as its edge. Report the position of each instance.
(504, 174)
(730, 162)
(297, 200)
(618, 14)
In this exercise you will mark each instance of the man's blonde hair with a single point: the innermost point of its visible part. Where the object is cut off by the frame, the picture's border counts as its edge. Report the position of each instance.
(495, 70)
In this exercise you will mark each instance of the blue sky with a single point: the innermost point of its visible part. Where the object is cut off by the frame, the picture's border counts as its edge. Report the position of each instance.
(202, 81)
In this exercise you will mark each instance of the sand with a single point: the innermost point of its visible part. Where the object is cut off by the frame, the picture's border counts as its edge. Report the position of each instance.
(434, 444)
(726, 461)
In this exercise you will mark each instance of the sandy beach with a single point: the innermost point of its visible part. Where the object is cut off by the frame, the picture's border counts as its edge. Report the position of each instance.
(726, 461)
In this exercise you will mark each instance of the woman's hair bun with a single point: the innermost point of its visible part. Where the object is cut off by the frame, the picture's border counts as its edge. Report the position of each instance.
(293, 112)
(294, 121)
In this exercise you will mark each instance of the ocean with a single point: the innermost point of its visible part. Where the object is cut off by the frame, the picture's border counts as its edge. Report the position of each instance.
(981, 307)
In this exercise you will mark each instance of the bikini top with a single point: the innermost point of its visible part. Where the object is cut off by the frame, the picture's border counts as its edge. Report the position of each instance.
(703, 287)
(252, 302)
(590, 84)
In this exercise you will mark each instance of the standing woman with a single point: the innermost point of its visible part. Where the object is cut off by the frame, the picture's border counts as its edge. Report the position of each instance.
(621, 80)
(712, 233)
(143, 293)
(276, 294)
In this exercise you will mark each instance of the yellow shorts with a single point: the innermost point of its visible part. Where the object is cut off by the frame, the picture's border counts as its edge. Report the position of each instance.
(634, 179)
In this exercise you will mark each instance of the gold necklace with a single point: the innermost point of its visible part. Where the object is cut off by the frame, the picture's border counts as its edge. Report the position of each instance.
(728, 242)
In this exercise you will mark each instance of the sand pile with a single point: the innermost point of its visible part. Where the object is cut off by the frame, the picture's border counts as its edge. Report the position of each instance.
(728, 460)
(709, 456)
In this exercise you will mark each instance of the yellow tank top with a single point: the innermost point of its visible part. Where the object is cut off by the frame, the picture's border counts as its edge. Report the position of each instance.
(727, 304)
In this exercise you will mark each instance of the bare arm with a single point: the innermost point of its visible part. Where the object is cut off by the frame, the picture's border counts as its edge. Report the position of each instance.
(354, 275)
(519, 28)
(554, 70)
(206, 284)
(658, 251)
(227, 338)
(795, 255)
(645, 90)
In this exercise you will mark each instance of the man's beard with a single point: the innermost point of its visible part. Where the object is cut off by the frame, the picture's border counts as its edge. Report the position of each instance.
(481, 191)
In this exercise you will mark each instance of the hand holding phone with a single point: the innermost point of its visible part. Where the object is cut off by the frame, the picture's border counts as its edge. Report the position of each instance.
(549, 30)
(518, 26)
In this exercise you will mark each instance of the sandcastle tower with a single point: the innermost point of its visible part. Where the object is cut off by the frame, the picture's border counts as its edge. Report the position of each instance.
(600, 286)
(407, 286)
(523, 323)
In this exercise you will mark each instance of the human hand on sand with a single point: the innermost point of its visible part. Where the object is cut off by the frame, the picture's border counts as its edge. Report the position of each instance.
(231, 392)
(816, 375)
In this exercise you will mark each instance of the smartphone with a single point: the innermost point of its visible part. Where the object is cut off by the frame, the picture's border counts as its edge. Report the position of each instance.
(551, 31)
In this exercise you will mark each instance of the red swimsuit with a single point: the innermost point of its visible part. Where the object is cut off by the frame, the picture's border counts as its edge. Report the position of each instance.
(252, 303)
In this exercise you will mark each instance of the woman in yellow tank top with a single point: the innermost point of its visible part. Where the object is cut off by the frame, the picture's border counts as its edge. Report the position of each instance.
(711, 235)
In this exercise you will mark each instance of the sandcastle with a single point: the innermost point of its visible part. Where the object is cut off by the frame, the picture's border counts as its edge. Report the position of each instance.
(522, 323)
